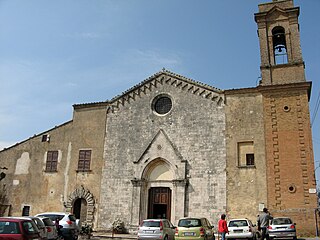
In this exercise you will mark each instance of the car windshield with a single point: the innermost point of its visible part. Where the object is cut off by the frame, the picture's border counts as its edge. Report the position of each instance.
(238, 223)
(47, 222)
(151, 224)
(30, 227)
(72, 218)
(281, 221)
(53, 217)
(9, 228)
(191, 222)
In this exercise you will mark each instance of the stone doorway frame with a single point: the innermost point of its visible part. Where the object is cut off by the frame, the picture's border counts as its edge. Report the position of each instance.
(88, 196)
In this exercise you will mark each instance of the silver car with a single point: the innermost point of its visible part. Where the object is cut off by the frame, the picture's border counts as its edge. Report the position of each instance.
(282, 227)
(66, 221)
(41, 226)
(156, 229)
(52, 232)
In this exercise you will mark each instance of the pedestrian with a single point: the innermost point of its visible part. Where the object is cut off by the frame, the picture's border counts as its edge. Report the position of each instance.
(263, 223)
(222, 227)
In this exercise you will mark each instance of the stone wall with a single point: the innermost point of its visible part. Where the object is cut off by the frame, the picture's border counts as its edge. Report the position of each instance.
(246, 185)
(194, 128)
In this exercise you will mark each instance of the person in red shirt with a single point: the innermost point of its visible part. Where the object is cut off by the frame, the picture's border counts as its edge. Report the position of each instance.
(222, 227)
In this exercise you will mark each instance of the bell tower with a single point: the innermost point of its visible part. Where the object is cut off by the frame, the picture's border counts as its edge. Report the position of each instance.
(279, 37)
(290, 181)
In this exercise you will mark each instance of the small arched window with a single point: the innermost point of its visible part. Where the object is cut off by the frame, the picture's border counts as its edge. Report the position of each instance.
(279, 46)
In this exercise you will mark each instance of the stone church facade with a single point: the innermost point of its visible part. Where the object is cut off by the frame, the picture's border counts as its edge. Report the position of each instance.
(172, 147)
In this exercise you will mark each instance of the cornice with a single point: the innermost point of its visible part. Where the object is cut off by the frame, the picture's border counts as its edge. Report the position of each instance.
(161, 78)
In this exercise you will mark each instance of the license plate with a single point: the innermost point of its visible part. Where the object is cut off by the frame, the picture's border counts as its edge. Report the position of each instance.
(148, 231)
(189, 234)
(238, 231)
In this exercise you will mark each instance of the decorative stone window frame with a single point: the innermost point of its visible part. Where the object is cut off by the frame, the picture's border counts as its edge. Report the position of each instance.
(242, 151)
(156, 99)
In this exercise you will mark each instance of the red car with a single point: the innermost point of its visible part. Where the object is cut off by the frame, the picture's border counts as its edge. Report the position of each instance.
(15, 228)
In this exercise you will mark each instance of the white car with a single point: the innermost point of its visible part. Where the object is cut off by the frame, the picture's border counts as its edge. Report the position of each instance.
(241, 228)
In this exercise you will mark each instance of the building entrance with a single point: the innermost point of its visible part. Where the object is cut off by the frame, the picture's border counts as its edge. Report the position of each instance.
(159, 202)
(80, 209)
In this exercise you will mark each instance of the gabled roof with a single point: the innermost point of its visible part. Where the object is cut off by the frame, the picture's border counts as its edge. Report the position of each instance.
(162, 77)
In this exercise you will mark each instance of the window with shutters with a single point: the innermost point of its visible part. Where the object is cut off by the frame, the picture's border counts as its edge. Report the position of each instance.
(52, 161)
(84, 160)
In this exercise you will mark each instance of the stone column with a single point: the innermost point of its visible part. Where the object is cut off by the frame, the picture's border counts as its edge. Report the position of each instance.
(135, 205)
(179, 208)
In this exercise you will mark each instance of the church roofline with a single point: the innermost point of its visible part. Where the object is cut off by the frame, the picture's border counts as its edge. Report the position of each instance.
(126, 95)
(170, 74)
(37, 135)
(271, 88)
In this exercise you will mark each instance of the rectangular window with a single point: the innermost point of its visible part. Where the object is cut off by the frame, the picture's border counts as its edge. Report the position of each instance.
(245, 154)
(84, 160)
(52, 161)
(250, 159)
(26, 211)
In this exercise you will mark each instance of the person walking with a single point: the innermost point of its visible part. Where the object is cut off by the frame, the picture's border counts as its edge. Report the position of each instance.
(222, 227)
(263, 223)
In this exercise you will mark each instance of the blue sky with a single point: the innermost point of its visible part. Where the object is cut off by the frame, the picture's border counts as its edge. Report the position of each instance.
(54, 54)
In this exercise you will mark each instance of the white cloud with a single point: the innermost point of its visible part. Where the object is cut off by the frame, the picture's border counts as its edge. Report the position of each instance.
(156, 57)
(84, 35)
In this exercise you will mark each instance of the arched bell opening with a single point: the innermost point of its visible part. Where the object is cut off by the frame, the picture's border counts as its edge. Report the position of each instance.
(279, 46)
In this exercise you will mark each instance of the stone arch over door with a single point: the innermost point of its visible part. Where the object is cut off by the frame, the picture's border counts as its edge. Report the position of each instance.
(82, 193)
(157, 190)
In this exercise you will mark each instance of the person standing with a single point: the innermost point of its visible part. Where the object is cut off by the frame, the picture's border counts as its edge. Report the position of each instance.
(263, 223)
(222, 227)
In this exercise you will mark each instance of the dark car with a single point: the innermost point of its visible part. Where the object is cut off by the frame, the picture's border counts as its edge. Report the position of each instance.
(16, 228)
(68, 223)
(282, 227)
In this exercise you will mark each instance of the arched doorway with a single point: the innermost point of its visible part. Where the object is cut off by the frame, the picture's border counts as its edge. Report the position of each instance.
(81, 202)
(80, 209)
(158, 189)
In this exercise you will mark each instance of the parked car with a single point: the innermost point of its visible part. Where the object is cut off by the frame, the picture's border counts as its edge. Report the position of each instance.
(194, 228)
(242, 228)
(16, 228)
(52, 231)
(40, 225)
(69, 228)
(282, 227)
(156, 229)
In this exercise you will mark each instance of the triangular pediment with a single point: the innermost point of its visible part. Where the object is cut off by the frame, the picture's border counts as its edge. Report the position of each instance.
(166, 77)
(160, 147)
(276, 14)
